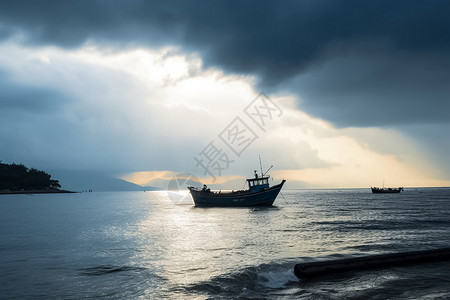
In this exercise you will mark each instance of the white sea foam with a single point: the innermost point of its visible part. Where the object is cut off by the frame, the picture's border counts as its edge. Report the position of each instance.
(276, 279)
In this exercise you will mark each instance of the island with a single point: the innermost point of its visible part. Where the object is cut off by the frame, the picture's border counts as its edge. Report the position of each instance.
(18, 179)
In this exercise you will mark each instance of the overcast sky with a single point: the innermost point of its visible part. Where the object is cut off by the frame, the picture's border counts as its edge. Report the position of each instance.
(355, 92)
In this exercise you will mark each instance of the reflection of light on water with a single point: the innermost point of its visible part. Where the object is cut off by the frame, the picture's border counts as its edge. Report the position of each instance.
(189, 244)
(180, 197)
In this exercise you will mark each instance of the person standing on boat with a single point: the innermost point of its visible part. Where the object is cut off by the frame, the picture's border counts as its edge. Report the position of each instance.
(205, 188)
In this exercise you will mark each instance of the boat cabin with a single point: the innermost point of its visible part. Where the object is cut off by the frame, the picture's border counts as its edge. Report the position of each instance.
(258, 183)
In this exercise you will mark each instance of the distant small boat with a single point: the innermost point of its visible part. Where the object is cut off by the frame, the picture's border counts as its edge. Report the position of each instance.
(383, 190)
(258, 194)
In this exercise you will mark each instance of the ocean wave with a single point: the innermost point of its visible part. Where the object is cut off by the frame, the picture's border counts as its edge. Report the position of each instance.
(378, 225)
(108, 269)
(250, 282)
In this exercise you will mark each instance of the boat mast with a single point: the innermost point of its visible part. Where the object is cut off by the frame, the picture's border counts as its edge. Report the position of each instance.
(260, 165)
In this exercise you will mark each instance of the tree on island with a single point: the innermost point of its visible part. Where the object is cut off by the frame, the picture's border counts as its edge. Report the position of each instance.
(17, 177)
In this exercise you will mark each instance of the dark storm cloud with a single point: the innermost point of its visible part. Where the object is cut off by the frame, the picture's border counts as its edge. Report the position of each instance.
(278, 42)
(72, 23)
(378, 88)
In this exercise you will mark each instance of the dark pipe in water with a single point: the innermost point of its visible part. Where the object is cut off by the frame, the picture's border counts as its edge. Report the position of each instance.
(312, 269)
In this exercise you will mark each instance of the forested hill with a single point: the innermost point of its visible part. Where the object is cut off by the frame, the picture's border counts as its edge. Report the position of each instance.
(17, 177)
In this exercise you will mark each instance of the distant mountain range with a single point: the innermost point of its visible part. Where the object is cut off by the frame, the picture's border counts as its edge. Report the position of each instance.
(79, 181)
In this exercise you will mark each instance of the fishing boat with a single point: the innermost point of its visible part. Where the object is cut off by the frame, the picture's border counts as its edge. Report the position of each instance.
(383, 190)
(259, 193)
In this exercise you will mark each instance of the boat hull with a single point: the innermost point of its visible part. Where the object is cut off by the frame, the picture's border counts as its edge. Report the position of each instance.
(235, 199)
(386, 190)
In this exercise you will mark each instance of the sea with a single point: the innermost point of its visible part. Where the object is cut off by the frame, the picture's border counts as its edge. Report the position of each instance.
(157, 245)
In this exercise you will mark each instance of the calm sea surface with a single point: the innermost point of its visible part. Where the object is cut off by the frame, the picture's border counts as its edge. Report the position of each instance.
(148, 245)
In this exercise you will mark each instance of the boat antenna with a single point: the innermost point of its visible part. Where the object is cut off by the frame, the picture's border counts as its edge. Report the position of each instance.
(260, 165)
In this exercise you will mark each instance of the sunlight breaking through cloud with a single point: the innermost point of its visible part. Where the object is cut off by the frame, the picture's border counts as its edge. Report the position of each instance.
(148, 112)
